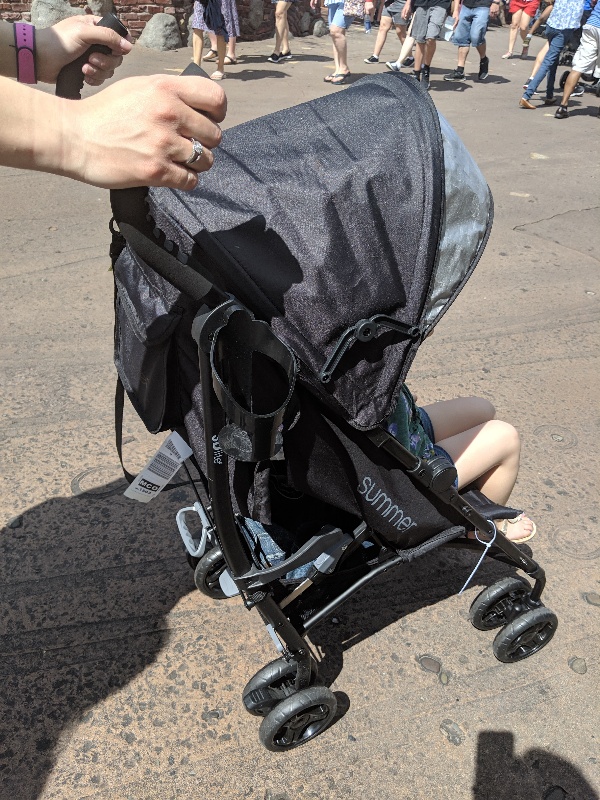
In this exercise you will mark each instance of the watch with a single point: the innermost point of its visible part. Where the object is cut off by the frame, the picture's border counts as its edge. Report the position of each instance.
(25, 44)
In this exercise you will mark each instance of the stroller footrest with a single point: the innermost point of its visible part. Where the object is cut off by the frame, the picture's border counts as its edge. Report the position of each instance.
(328, 538)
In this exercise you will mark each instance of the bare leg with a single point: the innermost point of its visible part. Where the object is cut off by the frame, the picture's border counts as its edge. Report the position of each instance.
(197, 45)
(538, 61)
(512, 34)
(221, 52)
(463, 52)
(419, 55)
(401, 33)
(524, 27)
(384, 27)
(340, 49)
(282, 44)
(485, 453)
(430, 46)
(406, 48)
(213, 41)
(230, 48)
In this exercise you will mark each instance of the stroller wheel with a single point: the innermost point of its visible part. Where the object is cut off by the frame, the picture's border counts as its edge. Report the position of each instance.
(271, 684)
(563, 78)
(298, 718)
(207, 573)
(499, 604)
(526, 635)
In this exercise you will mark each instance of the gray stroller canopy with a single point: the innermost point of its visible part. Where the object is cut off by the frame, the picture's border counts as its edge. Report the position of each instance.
(349, 224)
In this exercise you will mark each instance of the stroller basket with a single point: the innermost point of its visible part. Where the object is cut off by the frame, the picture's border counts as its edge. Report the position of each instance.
(294, 287)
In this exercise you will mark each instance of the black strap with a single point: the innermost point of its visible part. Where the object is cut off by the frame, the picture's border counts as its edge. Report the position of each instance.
(119, 406)
(191, 279)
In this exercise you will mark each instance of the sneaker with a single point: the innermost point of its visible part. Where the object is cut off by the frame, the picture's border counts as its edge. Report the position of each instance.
(561, 112)
(408, 61)
(274, 58)
(393, 66)
(426, 81)
(549, 101)
(578, 91)
(455, 75)
(527, 82)
(484, 67)
(416, 75)
(285, 56)
(372, 60)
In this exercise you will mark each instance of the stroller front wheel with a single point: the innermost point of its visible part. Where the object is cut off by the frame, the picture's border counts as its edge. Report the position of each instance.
(526, 635)
(271, 684)
(298, 719)
(500, 603)
(207, 573)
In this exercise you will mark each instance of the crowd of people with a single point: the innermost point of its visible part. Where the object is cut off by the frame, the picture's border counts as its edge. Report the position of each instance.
(419, 25)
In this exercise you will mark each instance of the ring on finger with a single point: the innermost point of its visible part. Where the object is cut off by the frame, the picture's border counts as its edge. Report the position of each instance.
(197, 151)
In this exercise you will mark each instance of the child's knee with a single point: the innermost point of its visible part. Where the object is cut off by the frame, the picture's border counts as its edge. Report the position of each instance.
(510, 437)
(483, 409)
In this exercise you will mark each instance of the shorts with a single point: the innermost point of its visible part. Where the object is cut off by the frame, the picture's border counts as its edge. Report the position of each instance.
(394, 10)
(428, 23)
(428, 428)
(336, 16)
(471, 28)
(587, 57)
(530, 7)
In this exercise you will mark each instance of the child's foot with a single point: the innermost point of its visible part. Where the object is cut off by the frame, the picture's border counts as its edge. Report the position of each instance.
(518, 530)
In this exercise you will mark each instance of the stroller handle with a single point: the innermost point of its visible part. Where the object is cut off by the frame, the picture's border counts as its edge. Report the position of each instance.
(70, 79)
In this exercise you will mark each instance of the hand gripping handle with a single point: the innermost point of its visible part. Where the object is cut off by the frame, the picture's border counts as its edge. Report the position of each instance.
(70, 79)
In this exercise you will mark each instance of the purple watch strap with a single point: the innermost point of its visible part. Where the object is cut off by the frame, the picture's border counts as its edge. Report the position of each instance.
(25, 44)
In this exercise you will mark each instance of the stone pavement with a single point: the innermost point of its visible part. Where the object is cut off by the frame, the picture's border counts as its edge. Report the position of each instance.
(121, 682)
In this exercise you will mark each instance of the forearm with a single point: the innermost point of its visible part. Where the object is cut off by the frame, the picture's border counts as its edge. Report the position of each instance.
(34, 129)
(8, 53)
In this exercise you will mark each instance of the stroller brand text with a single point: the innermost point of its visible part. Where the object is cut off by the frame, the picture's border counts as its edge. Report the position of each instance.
(385, 505)
(217, 452)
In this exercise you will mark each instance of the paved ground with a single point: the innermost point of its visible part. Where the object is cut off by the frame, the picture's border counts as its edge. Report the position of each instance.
(121, 682)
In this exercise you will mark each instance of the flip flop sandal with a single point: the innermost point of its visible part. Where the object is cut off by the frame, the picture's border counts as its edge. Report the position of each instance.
(329, 78)
(339, 79)
(212, 55)
(507, 55)
(217, 75)
(503, 528)
(229, 61)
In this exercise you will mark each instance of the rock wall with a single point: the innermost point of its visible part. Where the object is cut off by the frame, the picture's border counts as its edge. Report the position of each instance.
(256, 16)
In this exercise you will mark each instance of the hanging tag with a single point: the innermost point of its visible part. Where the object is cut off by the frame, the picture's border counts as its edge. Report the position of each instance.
(160, 469)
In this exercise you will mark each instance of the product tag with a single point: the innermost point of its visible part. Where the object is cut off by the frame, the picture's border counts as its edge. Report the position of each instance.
(160, 469)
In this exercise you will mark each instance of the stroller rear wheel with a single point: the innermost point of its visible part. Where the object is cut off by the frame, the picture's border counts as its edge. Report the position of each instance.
(207, 573)
(500, 603)
(526, 635)
(298, 718)
(271, 684)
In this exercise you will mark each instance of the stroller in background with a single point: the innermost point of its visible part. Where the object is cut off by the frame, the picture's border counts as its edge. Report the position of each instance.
(270, 318)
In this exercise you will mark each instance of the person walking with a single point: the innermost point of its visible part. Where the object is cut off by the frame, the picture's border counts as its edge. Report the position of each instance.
(562, 22)
(391, 15)
(219, 17)
(523, 11)
(586, 59)
(282, 32)
(339, 22)
(427, 25)
(470, 25)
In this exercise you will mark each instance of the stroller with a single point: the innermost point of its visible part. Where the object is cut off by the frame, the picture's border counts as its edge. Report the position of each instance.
(270, 318)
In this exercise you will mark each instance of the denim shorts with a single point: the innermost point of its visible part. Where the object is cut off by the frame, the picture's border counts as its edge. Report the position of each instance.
(337, 17)
(472, 25)
(428, 428)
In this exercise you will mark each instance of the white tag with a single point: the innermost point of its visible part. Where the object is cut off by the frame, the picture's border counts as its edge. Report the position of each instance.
(160, 469)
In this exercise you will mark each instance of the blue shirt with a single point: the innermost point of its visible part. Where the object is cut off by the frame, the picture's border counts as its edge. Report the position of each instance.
(595, 16)
(566, 14)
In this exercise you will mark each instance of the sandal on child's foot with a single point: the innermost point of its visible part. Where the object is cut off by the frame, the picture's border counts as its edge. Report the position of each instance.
(528, 526)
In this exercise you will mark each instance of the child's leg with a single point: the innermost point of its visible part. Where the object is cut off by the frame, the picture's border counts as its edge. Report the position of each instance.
(488, 456)
(450, 417)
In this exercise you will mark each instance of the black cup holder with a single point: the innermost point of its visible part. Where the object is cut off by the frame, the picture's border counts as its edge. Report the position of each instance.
(254, 374)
